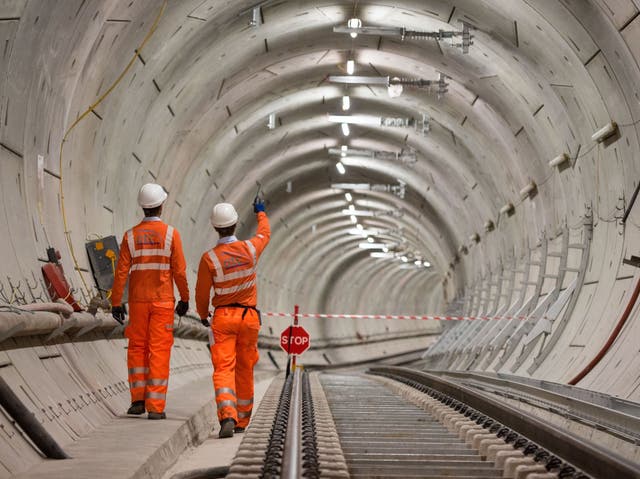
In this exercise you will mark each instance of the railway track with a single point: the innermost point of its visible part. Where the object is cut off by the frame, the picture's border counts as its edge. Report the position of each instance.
(396, 422)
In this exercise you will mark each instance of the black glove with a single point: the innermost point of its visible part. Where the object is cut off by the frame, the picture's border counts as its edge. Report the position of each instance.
(205, 323)
(258, 204)
(118, 313)
(182, 308)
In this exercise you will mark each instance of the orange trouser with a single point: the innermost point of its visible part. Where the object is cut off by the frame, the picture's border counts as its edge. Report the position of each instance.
(234, 354)
(150, 334)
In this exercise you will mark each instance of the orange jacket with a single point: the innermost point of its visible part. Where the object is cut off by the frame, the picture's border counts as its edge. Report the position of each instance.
(230, 268)
(151, 256)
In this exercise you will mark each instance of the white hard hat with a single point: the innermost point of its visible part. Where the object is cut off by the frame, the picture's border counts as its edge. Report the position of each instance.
(151, 195)
(223, 215)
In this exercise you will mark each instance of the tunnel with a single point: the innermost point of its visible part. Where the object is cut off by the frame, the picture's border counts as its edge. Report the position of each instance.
(448, 179)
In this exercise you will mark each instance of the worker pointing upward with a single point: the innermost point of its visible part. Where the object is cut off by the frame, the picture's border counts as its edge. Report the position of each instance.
(151, 257)
(230, 268)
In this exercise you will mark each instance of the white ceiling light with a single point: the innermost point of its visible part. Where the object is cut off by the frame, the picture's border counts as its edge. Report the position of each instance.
(352, 208)
(354, 23)
(404, 259)
(351, 67)
(417, 262)
(354, 220)
(345, 129)
(385, 250)
(271, 122)
(404, 156)
(346, 102)
(371, 245)
(440, 84)
(348, 197)
(383, 255)
(369, 239)
(360, 227)
(340, 168)
(395, 89)
(426, 264)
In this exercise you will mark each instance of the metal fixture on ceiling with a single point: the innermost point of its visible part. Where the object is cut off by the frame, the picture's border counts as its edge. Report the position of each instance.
(353, 28)
(407, 157)
(440, 83)
(399, 190)
(371, 120)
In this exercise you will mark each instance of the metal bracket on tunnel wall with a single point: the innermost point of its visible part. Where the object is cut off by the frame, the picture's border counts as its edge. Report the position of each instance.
(551, 337)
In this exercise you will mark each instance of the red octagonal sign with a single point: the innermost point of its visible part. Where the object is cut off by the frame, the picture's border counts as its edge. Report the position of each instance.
(294, 340)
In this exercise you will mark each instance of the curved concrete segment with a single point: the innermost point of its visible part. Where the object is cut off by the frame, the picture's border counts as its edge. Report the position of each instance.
(509, 195)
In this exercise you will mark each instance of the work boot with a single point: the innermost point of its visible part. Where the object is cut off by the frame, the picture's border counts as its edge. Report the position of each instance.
(157, 415)
(226, 428)
(238, 429)
(137, 408)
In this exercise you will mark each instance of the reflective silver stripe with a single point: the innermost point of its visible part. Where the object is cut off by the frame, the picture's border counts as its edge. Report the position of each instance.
(238, 274)
(157, 382)
(150, 266)
(220, 276)
(253, 251)
(245, 402)
(244, 414)
(166, 251)
(235, 289)
(132, 246)
(154, 395)
(138, 384)
(219, 272)
(227, 402)
(225, 390)
(168, 239)
(142, 370)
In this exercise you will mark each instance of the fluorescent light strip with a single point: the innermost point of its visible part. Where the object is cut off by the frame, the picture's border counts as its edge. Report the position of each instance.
(355, 119)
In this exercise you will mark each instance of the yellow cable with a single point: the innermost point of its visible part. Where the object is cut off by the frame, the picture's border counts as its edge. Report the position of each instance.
(80, 118)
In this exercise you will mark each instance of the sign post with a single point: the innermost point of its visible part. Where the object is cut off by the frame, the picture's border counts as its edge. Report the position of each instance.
(294, 341)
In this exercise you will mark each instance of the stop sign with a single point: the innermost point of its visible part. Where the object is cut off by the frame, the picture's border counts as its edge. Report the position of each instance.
(294, 340)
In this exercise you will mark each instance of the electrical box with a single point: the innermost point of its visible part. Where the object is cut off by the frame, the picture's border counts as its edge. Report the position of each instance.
(103, 256)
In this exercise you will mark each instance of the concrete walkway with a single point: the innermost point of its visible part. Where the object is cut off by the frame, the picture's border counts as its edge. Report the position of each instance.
(134, 447)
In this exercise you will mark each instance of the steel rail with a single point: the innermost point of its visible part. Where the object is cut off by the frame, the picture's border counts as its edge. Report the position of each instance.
(292, 454)
(625, 425)
(588, 457)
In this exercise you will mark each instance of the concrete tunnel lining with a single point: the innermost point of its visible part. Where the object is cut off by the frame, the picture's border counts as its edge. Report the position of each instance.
(539, 80)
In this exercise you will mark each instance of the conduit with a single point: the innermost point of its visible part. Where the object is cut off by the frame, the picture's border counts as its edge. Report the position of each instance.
(63, 308)
(612, 337)
(91, 108)
(29, 424)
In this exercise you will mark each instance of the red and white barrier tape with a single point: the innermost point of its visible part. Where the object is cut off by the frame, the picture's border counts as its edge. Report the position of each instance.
(388, 316)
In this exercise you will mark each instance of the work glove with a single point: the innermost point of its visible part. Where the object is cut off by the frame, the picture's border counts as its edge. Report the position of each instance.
(118, 313)
(182, 308)
(258, 205)
(205, 323)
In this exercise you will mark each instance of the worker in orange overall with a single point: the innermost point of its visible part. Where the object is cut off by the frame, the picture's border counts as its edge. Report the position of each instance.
(151, 257)
(230, 269)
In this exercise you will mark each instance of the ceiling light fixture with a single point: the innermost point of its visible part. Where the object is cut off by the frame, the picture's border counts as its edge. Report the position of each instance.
(351, 67)
(403, 33)
(340, 167)
(399, 190)
(371, 245)
(408, 157)
(348, 197)
(353, 219)
(383, 255)
(354, 23)
(345, 129)
(440, 83)
(346, 102)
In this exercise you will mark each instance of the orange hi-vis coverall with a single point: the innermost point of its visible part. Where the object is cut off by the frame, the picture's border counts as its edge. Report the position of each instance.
(230, 268)
(151, 257)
